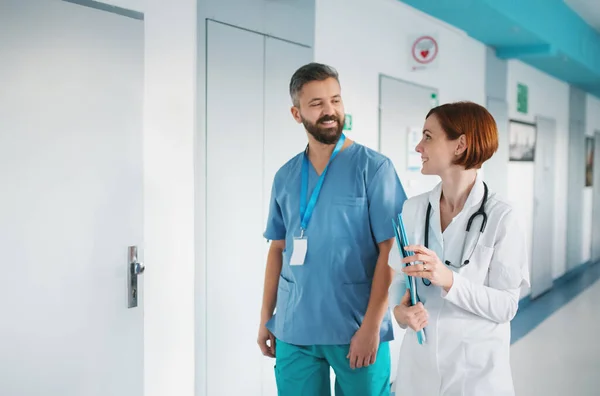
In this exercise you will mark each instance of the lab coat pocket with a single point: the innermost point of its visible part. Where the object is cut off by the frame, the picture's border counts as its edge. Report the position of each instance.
(479, 263)
(284, 292)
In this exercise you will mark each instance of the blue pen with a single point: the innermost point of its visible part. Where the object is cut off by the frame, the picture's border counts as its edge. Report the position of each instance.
(402, 241)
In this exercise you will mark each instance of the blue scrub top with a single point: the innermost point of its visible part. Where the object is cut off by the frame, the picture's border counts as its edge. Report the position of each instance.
(324, 301)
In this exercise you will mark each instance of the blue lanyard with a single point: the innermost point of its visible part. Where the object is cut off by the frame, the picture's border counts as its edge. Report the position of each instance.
(307, 210)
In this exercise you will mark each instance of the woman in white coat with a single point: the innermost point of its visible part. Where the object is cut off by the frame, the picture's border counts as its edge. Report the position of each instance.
(469, 263)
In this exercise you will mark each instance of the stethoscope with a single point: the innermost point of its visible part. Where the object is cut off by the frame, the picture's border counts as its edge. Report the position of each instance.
(480, 212)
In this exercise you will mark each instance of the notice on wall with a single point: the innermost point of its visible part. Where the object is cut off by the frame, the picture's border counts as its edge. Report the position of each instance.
(413, 158)
(424, 51)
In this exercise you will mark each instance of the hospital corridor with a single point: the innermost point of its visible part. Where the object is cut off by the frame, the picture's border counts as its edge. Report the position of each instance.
(546, 361)
(299, 198)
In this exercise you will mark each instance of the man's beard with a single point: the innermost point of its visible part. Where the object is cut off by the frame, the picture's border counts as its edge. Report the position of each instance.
(323, 134)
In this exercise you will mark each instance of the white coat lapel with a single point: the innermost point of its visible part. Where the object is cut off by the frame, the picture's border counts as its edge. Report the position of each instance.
(471, 206)
(435, 225)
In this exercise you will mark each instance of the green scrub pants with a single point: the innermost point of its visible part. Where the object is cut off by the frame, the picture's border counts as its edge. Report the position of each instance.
(304, 371)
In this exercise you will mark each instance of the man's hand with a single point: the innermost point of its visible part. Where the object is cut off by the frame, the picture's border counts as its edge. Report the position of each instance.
(264, 335)
(363, 347)
(266, 340)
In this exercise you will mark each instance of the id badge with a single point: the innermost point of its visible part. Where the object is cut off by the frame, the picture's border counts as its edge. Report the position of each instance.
(300, 249)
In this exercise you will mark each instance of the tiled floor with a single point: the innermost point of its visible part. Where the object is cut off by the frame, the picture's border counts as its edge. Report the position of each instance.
(562, 354)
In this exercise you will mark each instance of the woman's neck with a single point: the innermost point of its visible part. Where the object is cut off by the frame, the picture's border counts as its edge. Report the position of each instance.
(456, 186)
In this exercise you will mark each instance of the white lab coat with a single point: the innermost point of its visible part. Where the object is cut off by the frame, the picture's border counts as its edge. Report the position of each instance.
(468, 335)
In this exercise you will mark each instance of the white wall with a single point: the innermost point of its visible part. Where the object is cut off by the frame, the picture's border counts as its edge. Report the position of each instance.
(169, 129)
(592, 114)
(520, 193)
(363, 39)
(548, 97)
(592, 124)
(169, 136)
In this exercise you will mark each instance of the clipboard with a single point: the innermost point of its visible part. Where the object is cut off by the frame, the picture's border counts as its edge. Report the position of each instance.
(401, 242)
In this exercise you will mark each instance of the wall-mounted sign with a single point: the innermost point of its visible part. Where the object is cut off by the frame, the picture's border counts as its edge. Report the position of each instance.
(522, 98)
(348, 122)
(413, 158)
(423, 51)
(435, 102)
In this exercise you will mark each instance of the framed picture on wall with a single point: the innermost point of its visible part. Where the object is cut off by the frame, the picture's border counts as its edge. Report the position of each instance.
(522, 137)
(589, 161)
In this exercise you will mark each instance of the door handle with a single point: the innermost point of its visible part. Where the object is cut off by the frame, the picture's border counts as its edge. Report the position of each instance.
(134, 268)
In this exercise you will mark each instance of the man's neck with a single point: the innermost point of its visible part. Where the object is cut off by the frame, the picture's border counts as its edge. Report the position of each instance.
(320, 153)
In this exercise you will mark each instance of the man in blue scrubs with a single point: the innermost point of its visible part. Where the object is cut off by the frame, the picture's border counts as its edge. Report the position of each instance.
(327, 275)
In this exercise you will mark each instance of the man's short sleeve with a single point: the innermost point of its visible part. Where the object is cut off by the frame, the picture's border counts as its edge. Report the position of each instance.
(386, 198)
(275, 226)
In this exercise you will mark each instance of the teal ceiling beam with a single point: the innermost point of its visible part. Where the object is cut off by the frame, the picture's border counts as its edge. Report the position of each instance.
(545, 34)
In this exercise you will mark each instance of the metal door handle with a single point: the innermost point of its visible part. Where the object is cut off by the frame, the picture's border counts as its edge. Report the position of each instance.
(137, 268)
(134, 268)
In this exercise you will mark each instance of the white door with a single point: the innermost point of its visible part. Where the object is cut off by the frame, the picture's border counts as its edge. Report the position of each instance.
(596, 199)
(71, 81)
(250, 134)
(402, 110)
(544, 212)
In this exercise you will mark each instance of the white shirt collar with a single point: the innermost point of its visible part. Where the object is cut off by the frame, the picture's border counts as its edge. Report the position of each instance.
(474, 199)
(475, 196)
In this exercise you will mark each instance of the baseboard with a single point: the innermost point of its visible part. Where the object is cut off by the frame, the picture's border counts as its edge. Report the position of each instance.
(573, 272)
(561, 280)
(532, 312)
(525, 301)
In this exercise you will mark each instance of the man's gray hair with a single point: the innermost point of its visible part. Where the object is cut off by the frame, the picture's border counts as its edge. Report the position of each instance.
(307, 73)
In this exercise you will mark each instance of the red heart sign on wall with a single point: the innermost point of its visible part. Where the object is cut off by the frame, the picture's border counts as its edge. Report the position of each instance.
(424, 50)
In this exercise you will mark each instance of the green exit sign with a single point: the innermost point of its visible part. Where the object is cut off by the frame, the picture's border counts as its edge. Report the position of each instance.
(434, 100)
(348, 122)
(522, 98)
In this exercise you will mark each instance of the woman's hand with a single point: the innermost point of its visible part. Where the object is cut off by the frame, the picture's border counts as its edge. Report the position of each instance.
(414, 317)
(430, 268)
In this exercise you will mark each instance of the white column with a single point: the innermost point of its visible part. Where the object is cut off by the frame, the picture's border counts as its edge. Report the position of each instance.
(169, 129)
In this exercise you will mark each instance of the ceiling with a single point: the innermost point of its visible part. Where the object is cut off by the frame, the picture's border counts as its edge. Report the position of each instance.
(549, 35)
(588, 10)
